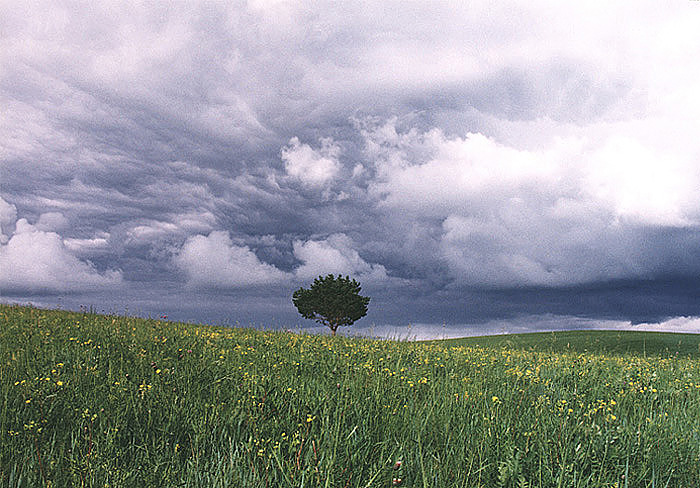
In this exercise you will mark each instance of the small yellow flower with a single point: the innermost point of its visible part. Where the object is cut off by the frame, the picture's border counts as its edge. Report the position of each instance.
(59, 383)
(157, 371)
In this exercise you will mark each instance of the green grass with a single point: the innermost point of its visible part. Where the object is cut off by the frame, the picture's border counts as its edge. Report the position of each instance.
(665, 344)
(91, 400)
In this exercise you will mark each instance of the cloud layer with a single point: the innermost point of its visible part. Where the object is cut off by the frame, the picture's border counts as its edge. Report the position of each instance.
(34, 259)
(213, 146)
(571, 212)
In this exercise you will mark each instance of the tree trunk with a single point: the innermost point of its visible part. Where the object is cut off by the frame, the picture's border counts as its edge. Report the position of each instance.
(333, 330)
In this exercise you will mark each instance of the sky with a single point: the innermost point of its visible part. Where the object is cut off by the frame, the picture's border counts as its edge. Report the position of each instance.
(479, 167)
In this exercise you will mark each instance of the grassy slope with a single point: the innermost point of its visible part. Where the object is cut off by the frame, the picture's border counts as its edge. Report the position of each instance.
(590, 341)
(90, 400)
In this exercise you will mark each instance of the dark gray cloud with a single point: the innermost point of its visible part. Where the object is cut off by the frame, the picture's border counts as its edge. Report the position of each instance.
(466, 163)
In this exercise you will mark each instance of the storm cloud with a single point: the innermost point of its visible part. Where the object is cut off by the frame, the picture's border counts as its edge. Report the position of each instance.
(468, 164)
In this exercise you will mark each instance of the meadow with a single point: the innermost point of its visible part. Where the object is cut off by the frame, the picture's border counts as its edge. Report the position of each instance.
(113, 401)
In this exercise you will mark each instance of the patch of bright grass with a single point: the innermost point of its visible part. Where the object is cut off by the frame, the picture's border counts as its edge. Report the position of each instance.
(92, 400)
(665, 344)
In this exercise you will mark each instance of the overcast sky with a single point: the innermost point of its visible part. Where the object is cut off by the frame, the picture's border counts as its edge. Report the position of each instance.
(468, 162)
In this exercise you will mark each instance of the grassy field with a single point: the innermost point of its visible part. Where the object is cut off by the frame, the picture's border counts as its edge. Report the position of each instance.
(91, 400)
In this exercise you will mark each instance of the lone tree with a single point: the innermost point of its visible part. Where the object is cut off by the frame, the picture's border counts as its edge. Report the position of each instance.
(331, 301)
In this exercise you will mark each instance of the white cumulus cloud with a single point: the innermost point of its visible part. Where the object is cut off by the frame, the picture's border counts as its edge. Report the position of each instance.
(36, 260)
(52, 222)
(334, 255)
(312, 167)
(214, 261)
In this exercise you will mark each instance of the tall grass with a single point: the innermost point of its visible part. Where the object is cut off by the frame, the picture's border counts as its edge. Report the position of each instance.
(91, 400)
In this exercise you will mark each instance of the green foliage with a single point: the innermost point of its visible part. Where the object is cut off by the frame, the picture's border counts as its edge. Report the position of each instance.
(332, 301)
(93, 400)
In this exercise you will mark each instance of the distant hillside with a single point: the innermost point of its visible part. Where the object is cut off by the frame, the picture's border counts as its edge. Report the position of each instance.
(602, 341)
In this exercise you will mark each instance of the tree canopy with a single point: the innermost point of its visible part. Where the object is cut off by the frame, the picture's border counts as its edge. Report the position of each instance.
(332, 301)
